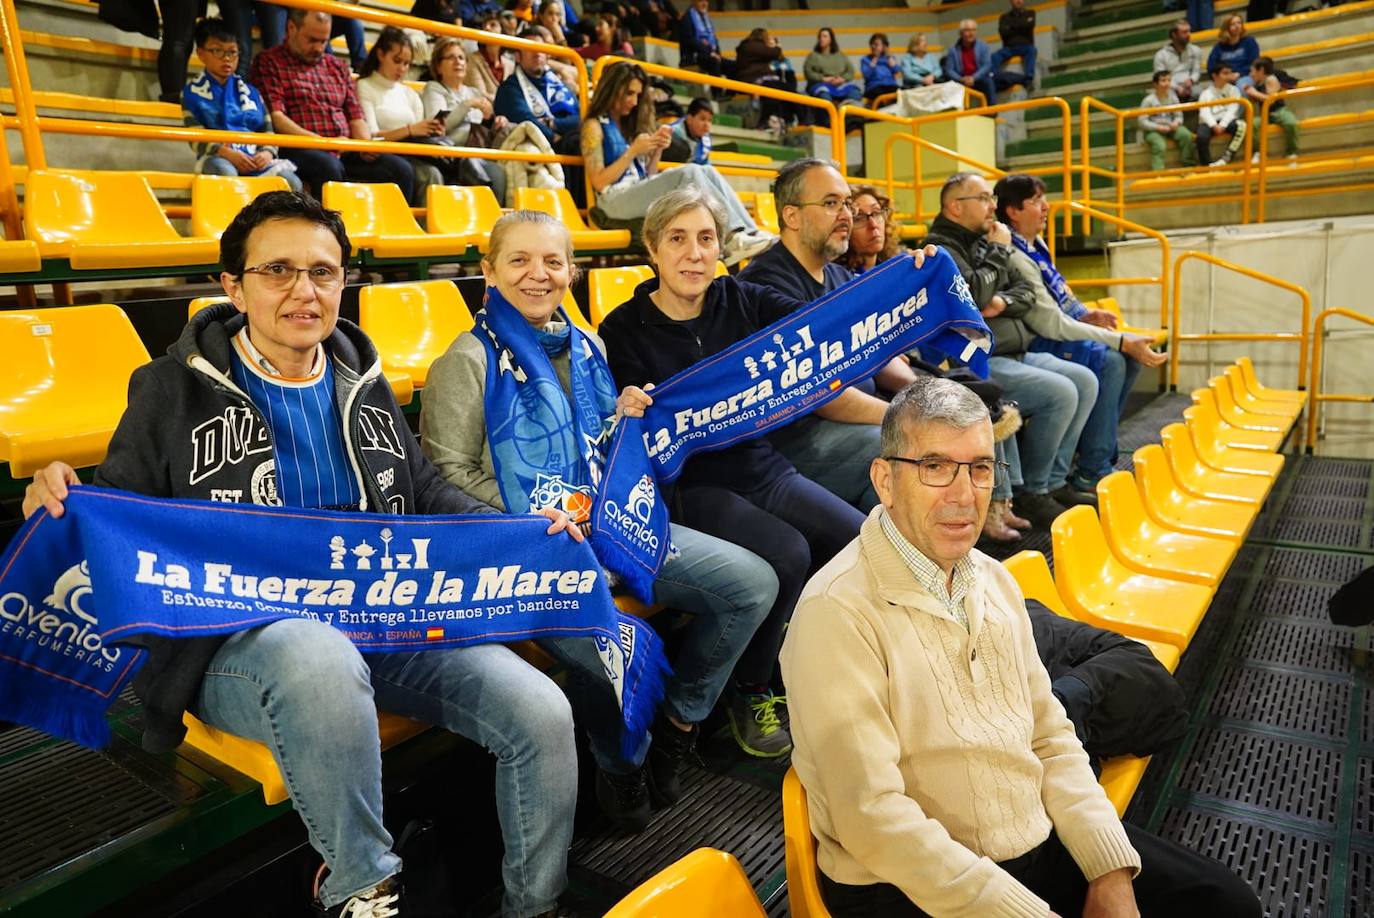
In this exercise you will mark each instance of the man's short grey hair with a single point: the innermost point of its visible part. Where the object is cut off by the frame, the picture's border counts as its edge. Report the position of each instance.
(680, 200)
(787, 187)
(298, 16)
(968, 24)
(929, 401)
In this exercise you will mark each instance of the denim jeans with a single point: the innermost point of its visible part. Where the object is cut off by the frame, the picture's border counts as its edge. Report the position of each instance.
(1097, 444)
(1048, 391)
(303, 689)
(728, 590)
(1010, 478)
(218, 165)
(239, 16)
(834, 455)
(1027, 55)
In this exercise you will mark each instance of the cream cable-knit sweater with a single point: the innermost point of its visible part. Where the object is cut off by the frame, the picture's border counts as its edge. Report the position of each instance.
(929, 752)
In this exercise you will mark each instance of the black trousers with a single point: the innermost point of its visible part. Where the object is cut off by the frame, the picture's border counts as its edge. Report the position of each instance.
(1174, 882)
(316, 167)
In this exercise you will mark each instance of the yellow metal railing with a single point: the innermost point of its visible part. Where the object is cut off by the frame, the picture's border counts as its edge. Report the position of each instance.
(918, 183)
(1086, 106)
(1314, 389)
(1177, 337)
(1284, 95)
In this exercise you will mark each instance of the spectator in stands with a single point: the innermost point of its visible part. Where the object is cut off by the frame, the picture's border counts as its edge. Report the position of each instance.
(471, 121)
(535, 93)
(178, 31)
(829, 72)
(436, 11)
(691, 140)
(880, 69)
(920, 66)
(726, 589)
(510, 23)
(523, 9)
(876, 237)
(473, 12)
(311, 92)
(659, 17)
(1182, 59)
(565, 70)
(697, 42)
(1071, 331)
(551, 18)
(1055, 395)
(747, 493)
(1158, 128)
(760, 59)
(272, 21)
(1220, 120)
(1264, 83)
(1200, 14)
(1017, 28)
(969, 61)
(301, 687)
(394, 111)
(489, 67)
(942, 774)
(240, 14)
(220, 100)
(1235, 48)
(607, 38)
(816, 215)
(621, 148)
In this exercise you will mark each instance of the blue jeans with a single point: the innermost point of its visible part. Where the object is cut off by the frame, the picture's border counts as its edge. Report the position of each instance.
(218, 165)
(728, 590)
(1048, 391)
(1200, 14)
(1009, 479)
(834, 455)
(238, 14)
(1097, 445)
(1025, 52)
(272, 21)
(847, 92)
(303, 689)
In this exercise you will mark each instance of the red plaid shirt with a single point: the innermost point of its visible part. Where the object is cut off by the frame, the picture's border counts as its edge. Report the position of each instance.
(320, 97)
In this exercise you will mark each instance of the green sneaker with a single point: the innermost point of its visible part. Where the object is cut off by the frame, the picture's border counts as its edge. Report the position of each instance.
(755, 725)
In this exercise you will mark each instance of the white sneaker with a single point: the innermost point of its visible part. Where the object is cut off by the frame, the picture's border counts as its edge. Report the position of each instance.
(1292, 160)
(1220, 162)
(744, 245)
(1254, 160)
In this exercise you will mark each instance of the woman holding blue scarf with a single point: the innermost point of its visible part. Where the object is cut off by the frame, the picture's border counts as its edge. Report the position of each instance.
(621, 148)
(518, 412)
(1069, 330)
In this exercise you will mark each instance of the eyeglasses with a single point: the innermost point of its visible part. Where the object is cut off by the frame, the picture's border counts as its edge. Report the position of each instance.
(830, 205)
(938, 472)
(985, 197)
(881, 214)
(224, 54)
(277, 275)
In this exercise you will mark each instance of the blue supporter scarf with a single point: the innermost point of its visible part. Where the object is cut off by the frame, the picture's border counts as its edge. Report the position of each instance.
(547, 449)
(75, 590)
(770, 379)
(1090, 354)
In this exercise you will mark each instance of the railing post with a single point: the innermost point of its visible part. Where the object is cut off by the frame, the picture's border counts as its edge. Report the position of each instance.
(1084, 119)
(17, 66)
(1264, 157)
(1120, 166)
(1314, 387)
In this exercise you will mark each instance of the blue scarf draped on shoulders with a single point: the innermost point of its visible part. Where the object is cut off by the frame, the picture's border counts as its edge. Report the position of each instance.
(1090, 354)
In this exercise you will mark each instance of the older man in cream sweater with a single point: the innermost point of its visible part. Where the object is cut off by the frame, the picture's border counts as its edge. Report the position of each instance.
(944, 777)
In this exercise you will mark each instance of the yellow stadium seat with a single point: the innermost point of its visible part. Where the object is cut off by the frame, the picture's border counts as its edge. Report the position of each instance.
(19, 256)
(1259, 390)
(1158, 336)
(1145, 546)
(574, 312)
(1173, 508)
(1201, 479)
(1102, 591)
(379, 220)
(413, 323)
(803, 877)
(200, 302)
(101, 221)
(65, 384)
(462, 210)
(1202, 428)
(705, 882)
(766, 212)
(1287, 410)
(1227, 434)
(255, 760)
(217, 199)
(559, 203)
(607, 288)
(1033, 575)
(1237, 416)
(1120, 777)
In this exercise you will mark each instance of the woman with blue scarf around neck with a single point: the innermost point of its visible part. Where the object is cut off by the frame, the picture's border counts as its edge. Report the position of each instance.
(621, 149)
(519, 410)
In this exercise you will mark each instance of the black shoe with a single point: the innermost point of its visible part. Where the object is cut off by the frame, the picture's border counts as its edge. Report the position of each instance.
(1070, 496)
(624, 799)
(670, 746)
(1040, 509)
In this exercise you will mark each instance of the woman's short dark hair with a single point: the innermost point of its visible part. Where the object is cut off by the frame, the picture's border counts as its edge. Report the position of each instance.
(390, 37)
(276, 205)
(1014, 191)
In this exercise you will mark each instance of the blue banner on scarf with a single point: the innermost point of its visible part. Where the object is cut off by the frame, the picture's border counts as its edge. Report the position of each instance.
(769, 379)
(119, 565)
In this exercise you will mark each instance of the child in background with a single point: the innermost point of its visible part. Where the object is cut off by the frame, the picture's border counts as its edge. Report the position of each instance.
(221, 100)
(1158, 128)
(1220, 119)
(1264, 84)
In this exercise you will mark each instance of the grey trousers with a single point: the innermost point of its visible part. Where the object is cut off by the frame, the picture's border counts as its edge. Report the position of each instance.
(631, 202)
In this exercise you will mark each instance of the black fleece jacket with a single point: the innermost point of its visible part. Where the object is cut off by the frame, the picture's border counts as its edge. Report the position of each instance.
(987, 268)
(189, 432)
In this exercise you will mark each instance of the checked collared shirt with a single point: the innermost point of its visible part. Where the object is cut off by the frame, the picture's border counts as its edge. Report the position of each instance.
(929, 575)
(320, 97)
